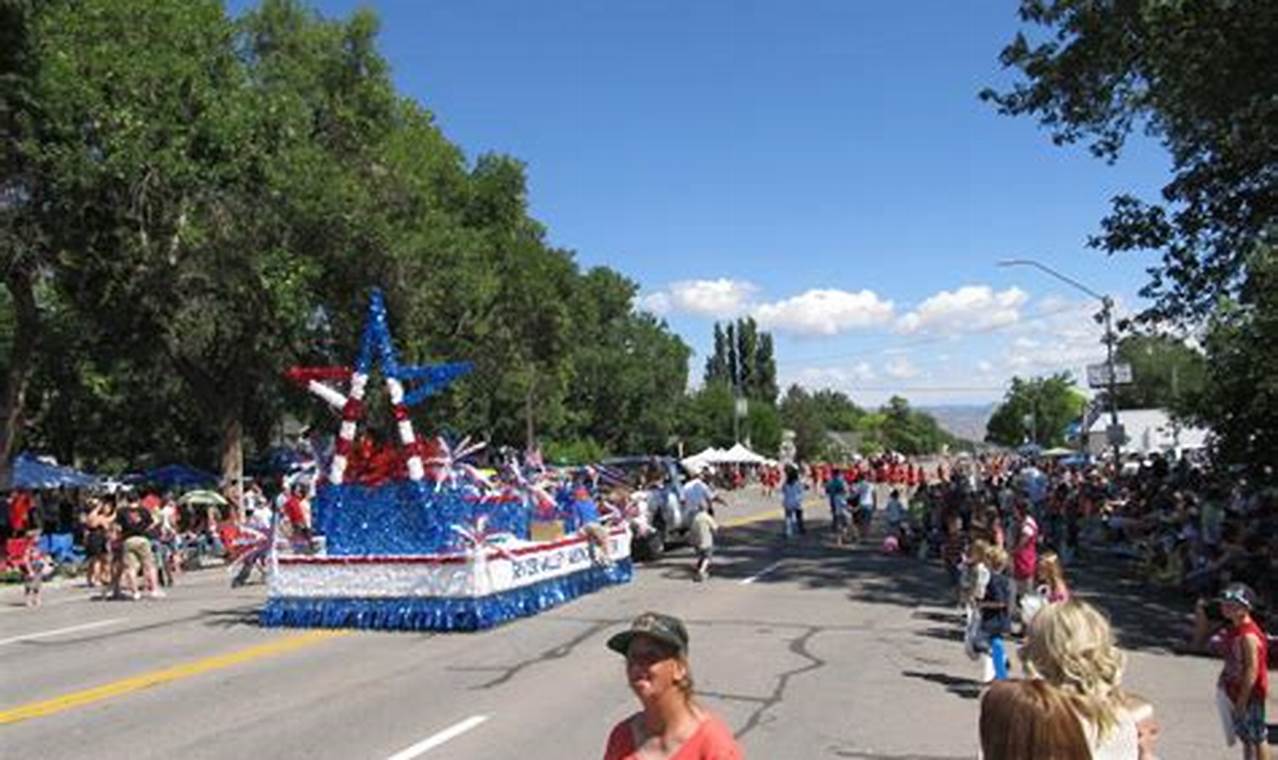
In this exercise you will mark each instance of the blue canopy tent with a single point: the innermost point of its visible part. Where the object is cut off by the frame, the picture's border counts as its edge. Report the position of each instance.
(33, 474)
(175, 476)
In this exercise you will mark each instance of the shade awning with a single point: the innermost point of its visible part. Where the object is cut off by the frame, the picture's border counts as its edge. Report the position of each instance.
(32, 473)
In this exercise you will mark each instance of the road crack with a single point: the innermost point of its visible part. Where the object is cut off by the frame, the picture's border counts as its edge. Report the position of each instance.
(554, 653)
(798, 646)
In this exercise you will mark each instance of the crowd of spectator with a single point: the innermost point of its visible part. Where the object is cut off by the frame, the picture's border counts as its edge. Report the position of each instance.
(135, 542)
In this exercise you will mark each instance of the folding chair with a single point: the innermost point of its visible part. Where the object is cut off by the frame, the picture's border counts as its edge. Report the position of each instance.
(14, 550)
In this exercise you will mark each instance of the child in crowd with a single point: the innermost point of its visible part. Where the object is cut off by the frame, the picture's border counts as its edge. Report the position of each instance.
(1051, 578)
(1147, 728)
(33, 564)
(976, 573)
(996, 616)
(972, 585)
(952, 550)
(1244, 680)
(844, 529)
(792, 501)
(895, 513)
(701, 534)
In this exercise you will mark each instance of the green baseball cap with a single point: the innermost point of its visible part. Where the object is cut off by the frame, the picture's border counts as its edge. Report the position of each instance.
(666, 629)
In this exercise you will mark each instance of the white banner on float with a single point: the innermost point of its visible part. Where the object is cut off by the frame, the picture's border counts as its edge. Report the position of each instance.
(437, 576)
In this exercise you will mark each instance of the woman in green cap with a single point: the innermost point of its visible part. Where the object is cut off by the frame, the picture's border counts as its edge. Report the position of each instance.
(671, 725)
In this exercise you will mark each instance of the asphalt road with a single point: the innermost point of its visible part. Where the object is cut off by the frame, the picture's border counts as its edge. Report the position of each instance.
(807, 650)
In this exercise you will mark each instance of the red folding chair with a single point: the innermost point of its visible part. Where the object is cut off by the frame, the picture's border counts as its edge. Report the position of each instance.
(15, 550)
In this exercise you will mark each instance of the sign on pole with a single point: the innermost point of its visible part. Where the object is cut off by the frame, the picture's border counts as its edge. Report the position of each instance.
(743, 407)
(1098, 375)
(1115, 435)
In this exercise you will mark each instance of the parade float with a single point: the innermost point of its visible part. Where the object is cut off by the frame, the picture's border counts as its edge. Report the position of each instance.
(419, 538)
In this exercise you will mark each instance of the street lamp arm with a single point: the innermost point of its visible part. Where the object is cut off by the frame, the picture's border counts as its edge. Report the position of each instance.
(1063, 278)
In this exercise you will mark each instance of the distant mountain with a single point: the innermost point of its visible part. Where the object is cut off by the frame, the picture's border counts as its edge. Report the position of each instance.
(967, 421)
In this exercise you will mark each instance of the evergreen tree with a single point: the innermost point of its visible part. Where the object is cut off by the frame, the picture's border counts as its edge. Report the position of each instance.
(733, 367)
(765, 372)
(717, 363)
(747, 345)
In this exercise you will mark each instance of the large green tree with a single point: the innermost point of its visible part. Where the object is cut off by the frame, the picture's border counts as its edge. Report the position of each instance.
(24, 249)
(1239, 396)
(744, 359)
(197, 201)
(203, 170)
(1199, 77)
(1166, 372)
(1036, 410)
(800, 414)
(629, 371)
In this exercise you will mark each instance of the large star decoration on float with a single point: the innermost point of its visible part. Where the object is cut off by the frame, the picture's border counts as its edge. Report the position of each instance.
(376, 343)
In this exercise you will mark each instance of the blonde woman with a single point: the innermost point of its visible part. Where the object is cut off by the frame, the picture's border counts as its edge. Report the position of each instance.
(1070, 645)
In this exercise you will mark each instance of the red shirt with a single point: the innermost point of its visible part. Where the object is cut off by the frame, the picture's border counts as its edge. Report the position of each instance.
(293, 511)
(19, 508)
(712, 741)
(1231, 674)
(1025, 557)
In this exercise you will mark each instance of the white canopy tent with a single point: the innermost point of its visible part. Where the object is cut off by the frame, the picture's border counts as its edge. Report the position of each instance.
(738, 454)
(704, 458)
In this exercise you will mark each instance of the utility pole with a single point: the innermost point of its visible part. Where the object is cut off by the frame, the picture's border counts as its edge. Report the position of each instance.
(1111, 339)
(1107, 311)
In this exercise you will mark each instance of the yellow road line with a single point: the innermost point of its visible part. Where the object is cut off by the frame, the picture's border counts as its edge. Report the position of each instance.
(165, 675)
(739, 521)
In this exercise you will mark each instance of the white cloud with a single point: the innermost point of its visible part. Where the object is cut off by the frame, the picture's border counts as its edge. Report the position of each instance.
(1068, 343)
(825, 312)
(984, 367)
(723, 297)
(657, 303)
(720, 298)
(971, 308)
(839, 378)
(901, 369)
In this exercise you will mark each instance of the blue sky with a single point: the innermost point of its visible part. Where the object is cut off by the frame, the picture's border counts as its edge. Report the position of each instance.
(824, 166)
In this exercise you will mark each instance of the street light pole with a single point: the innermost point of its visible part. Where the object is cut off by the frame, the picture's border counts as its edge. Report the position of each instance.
(1107, 314)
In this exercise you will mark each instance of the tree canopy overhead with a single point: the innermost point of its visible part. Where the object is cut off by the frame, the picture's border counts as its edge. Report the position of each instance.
(1201, 78)
(193, 202)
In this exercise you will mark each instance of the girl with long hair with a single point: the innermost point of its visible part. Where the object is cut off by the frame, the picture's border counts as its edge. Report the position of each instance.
(1024, 720)
(1051, 576)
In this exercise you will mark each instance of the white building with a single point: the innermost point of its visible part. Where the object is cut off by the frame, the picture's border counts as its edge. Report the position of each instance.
(1148, 431)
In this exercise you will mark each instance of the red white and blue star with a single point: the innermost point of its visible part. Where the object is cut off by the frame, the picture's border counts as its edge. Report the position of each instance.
(376, 344)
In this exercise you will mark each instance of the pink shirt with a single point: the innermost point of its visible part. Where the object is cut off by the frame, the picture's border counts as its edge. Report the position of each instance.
(1025, 557)
(712, 741)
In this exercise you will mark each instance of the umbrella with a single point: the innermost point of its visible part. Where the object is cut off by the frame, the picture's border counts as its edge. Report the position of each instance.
(203, 499)
(176, 475)
(31, 473)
